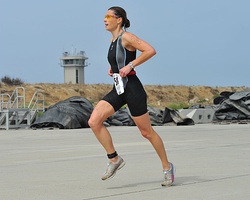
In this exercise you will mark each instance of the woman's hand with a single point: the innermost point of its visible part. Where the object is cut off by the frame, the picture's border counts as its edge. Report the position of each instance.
(110, 73)
(125, 71)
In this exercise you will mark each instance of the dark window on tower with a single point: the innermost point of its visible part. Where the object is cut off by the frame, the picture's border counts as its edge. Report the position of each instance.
(77, 76)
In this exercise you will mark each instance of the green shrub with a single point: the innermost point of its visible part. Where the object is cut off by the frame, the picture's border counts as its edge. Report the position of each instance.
(11, 81)
(177, 106)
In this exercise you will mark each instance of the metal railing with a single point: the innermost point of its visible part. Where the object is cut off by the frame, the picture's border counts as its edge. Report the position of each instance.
(16, 99)
(5, 98)
(37, 102)
(13, 110)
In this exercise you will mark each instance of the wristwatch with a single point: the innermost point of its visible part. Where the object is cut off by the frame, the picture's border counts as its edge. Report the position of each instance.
(131, 65)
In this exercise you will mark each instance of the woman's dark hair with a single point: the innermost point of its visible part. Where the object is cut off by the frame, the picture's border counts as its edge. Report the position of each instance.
(120, 12)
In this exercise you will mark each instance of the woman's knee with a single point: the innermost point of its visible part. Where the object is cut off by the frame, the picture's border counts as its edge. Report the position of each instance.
(101, 112)
(91, 122)
(94, 120)
(147, 133)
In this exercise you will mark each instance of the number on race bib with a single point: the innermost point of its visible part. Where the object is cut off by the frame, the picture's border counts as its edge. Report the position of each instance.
(118, 83)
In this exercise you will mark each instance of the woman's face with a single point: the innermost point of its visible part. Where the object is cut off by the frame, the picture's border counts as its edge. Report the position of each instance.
(111, 21)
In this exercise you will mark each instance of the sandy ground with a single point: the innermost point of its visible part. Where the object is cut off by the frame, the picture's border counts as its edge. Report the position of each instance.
(159, 96)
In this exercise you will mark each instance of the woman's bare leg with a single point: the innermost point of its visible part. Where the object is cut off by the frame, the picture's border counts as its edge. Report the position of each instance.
(101, 112)
(147, 131)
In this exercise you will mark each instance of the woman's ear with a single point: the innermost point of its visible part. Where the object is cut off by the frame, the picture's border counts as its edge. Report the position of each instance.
(119, 20)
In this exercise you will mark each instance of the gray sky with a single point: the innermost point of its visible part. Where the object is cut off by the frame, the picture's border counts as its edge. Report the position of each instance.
(198, 42)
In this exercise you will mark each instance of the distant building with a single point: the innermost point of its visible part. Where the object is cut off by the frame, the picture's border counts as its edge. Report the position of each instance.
(74, 65)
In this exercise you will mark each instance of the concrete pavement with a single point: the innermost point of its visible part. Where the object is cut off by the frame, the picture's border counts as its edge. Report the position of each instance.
(212, 162)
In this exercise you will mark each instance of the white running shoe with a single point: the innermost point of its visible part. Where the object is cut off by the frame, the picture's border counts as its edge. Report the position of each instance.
(112, 168)
(168, 176)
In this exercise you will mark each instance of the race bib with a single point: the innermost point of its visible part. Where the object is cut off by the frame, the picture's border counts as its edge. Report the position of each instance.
(118, 83)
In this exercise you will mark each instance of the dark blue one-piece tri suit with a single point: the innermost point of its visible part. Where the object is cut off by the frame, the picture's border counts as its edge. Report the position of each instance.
(134, 94)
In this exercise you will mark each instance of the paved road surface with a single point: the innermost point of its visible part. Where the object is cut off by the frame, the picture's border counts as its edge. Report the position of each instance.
(212, 161)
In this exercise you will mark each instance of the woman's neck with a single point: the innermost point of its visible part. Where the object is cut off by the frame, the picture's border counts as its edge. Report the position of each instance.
(116, 33)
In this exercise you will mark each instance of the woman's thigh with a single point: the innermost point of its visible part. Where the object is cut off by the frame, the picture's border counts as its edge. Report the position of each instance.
(101, 112)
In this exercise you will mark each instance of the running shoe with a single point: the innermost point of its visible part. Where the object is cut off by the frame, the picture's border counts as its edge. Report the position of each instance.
(168, 176)
(112, 168)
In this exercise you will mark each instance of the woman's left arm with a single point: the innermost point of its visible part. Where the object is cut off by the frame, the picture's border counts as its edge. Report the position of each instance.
(132, 43)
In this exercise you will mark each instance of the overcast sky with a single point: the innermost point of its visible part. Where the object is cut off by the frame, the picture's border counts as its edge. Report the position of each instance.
(198, 42)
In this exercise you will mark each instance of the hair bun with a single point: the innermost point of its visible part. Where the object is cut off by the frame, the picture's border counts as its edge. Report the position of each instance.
(127, 23)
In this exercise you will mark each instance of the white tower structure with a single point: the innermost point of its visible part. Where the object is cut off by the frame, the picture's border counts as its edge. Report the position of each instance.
(73, 65)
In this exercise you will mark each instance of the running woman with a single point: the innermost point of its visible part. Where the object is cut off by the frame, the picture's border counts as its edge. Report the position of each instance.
(127, 90)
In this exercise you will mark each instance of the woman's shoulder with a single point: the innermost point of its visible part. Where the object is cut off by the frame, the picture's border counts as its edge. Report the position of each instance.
(128, 36)
(128, 40)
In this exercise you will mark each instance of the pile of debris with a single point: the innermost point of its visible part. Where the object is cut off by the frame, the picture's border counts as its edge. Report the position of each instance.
(71, 113)
(75, 112)
(233, 107)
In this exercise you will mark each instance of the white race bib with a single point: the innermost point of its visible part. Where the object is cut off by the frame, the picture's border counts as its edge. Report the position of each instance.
(118, 83)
